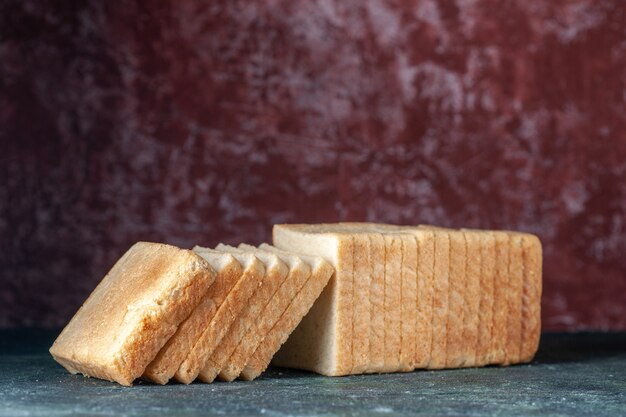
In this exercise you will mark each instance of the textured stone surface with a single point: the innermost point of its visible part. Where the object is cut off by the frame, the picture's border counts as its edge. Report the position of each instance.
(198, 122)
(573, 375)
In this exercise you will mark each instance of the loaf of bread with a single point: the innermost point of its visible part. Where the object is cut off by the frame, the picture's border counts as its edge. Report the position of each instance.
(458, 298)
(133, 312)
(336, 299)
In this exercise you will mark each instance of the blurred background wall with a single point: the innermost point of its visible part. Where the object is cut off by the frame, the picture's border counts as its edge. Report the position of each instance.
(203, 122)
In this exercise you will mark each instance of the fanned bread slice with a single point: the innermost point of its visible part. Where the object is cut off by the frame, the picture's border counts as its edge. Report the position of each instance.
(337, 248)
(500, 306)
(277, 285)
(514, 291)
(377, 303)
(253, 272)
(531, 307)
(459, 350)
(299, 273)
(484, 355)
(169, 358)
(310, 344)
(472, 314)
(270, 278)
(132, 313)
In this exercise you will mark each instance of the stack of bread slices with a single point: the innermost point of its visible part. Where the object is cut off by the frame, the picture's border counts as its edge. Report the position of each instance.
(343, 298)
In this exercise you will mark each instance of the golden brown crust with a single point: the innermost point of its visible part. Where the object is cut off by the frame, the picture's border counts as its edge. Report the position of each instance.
(459, 349)
(514, 290)
(425, 290)
(169, 358)
(531, 307)
(377, 291)
(321, 272)
(132, 312)
(219, 326)
(361, 303)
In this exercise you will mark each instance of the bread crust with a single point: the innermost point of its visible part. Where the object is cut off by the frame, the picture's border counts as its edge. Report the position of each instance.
(170, 357)
(132, 313)
(226, 314)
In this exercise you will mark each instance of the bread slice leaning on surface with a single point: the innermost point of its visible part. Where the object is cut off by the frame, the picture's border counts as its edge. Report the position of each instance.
(132, 313)
(336, 247)
(268, 282)
(308, 346)
(252, 272)
(299, 273)
(166, 363)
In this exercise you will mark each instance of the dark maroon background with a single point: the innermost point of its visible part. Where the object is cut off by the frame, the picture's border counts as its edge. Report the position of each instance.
(206, 121)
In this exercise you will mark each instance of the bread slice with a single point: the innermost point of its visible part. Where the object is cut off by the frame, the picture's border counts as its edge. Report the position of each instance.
(377, 303)
(531, 307)
(299, 274)
(485, 333)
(169, 358)
(308, 346)
(460, 350)
(337, 248)
(264, 315)
(440, 298)
(425, 296)
(408, 301)
(270, 277)
(253, 272)
(132, 313)
(514, 292)
(472, 314)
(501, 305)
(361, 303)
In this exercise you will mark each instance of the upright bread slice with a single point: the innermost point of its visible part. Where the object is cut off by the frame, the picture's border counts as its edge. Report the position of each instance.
(132, 313)
(531, 307)
(361, 303)
(440, 298)
(212, 335)
(460, 351)
(485, 333)
(472, 314)
(308, 346)
(269, 278)
(169, 358)
(337, 248)
(377, 303)
(408, 301)
(262, 315)
(500, 301)
(299, 274)
(425, 294)
(514, 291)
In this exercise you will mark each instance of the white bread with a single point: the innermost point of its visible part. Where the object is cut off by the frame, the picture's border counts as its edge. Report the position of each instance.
(307, 347)
(377, 303)
(501, 304)
(337, 248)
(261, 311)
(531, 307)
(299, 274)
(459, 350)
(514, 292)
(253, 272)
(485, 332)
(132, 313)
(472, 314)
(169, 358)
(267, 284)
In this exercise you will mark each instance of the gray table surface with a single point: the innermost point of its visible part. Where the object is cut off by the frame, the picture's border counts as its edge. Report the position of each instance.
(572, 375)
